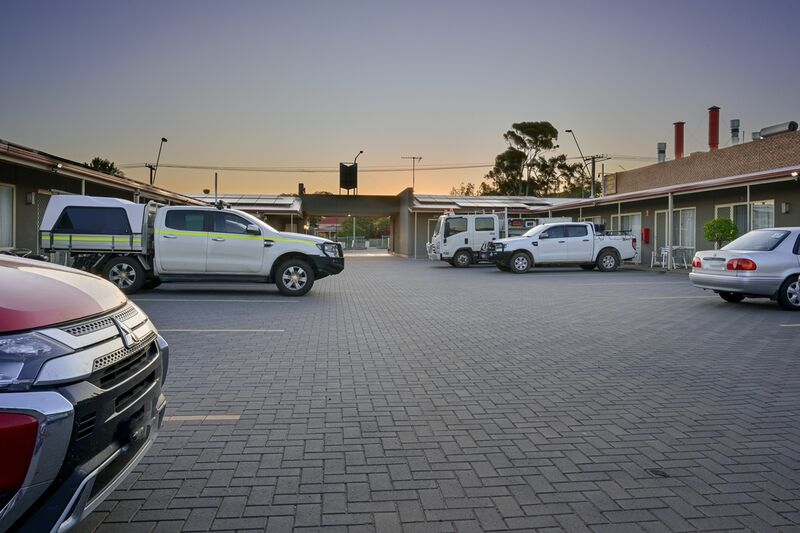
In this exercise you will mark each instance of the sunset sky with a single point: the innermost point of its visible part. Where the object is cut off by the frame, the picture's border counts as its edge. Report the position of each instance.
(305, 84)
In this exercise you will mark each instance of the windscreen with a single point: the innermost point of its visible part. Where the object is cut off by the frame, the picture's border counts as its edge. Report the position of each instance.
(437, 228)
(758, 241)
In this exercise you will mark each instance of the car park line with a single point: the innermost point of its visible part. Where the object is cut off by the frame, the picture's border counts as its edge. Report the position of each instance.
(789, 325)
(202, 330)
(196, 300)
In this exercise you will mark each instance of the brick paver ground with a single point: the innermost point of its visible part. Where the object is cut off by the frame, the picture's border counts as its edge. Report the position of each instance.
(407, 395)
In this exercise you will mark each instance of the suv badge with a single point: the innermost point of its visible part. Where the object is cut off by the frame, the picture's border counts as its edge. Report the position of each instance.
(129, 338)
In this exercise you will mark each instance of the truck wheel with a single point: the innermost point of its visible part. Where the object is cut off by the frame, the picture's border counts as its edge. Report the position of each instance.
(789, 294)
(126, 273)
(607, 261)
(294, 277)
(732, 297)
(588, 267)
(520, 263)
(462, 259)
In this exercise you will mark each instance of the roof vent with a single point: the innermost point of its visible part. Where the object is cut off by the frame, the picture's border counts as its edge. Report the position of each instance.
(778, 128)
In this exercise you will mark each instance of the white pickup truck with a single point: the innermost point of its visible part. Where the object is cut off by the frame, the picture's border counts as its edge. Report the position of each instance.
(575, 243)
(137, 246)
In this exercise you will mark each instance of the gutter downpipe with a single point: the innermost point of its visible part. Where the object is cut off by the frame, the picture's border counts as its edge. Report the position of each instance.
(505, 214)
(415, 234)
(669, 231)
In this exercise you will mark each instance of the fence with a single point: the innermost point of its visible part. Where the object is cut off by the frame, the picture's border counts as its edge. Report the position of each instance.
(362, 243)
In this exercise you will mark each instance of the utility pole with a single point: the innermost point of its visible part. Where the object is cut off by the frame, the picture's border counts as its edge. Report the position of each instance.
(215, 188)
(414, 159)
(593, 159)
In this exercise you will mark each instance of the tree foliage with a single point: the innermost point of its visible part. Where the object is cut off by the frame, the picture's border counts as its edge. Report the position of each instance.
(105, 165)
(720, 231)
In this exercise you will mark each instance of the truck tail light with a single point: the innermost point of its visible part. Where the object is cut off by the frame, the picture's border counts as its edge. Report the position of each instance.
(696, 263)
(17, 439)
(740, 264)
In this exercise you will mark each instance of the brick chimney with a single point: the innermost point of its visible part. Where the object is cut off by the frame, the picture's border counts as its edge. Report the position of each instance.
(678, 139)
(713, 128)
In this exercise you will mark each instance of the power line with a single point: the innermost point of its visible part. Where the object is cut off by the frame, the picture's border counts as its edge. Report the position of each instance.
(334, 170)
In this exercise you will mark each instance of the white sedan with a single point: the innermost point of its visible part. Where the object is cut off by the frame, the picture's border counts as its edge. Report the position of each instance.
(763, 263)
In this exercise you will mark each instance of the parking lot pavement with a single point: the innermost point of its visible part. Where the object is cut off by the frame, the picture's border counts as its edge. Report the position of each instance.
(411, 396)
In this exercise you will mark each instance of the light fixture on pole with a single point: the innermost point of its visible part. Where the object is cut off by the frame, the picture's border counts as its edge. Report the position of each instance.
(414, 159)
(154, 169)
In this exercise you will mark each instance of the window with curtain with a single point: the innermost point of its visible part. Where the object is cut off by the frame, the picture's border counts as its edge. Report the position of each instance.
(683, 227)
(6, 216)
(763, 214)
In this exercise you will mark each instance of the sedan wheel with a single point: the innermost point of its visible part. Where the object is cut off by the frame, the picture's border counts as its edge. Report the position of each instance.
(789, 294)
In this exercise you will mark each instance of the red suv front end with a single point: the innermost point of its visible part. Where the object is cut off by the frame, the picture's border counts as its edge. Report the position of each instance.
(81, 370)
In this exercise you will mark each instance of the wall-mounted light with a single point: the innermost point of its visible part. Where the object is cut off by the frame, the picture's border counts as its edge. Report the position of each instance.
(58, 167)
(30, 198)
(785, 206)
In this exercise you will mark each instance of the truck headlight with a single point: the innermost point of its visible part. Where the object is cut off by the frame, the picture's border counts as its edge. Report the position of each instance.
(21, 357)
(330, 249)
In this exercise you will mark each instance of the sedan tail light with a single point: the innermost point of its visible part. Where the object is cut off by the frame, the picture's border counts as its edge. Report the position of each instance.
(741, 264)
(697, 263)
(17, 439)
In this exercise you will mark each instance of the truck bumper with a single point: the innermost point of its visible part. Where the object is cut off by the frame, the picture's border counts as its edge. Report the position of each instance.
(501, 258)
(327, 266)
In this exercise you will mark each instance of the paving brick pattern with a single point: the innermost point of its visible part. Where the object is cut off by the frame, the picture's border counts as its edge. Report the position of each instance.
(410, 396)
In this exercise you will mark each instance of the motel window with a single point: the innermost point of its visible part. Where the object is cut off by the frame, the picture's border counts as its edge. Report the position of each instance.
(593, 220)
(683, 227)
(762, 214)
(6, 216)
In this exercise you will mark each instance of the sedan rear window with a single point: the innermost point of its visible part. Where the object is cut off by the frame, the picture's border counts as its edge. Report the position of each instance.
(762, 240)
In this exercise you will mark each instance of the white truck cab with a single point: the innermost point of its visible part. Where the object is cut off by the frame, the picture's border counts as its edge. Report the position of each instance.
(457, 239)
(138, 246)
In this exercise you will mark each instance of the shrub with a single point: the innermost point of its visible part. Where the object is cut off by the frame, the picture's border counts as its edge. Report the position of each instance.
(720, 231)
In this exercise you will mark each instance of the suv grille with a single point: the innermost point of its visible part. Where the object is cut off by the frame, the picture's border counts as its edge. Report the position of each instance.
(118, 366)
(100, 323)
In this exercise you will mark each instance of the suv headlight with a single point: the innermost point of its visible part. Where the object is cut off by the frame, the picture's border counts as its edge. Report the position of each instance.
(21, 357)
(330, 249)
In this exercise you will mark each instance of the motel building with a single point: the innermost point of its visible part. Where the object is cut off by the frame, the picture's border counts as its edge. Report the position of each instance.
(666, 205)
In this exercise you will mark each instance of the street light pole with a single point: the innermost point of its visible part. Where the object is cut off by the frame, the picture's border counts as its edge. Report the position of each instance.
(154, 170)
(414, 159)
(583, 161)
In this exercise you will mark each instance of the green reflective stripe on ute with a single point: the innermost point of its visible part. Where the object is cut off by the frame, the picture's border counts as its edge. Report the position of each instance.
(240, 236)
(184, 233)
(300, 241)
(73, 238)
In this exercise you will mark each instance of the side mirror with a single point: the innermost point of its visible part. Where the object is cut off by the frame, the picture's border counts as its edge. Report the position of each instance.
(253, 229)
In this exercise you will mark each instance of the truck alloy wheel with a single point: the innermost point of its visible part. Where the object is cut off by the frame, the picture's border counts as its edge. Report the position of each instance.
(520, 263)
(789, 294)
(295, 278)
(126, 273)
(607, 262)
(462, 259)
